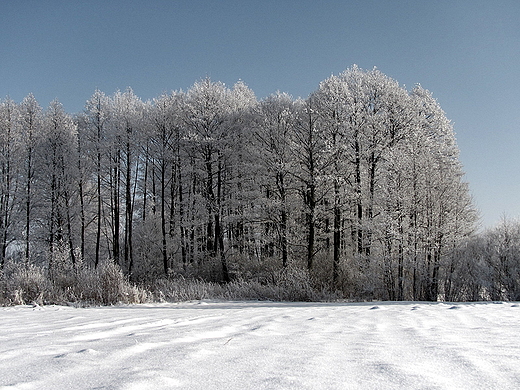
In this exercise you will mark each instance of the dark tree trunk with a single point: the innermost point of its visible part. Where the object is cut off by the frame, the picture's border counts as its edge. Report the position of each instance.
(98, 195)
(336, 241)
(116, 178)
(129, 261)
(163, 218)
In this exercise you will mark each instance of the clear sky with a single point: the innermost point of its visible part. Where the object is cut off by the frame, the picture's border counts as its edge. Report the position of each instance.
(466, 52)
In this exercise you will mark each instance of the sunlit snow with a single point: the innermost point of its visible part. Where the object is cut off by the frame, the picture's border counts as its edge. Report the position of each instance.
(257, 345)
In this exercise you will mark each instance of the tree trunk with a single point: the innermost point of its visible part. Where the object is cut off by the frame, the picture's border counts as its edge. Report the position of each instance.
(163, 217)
(129, 260)
(28, 205)
(70, 240)
(181, 214)
(311, 227)
(210, 205)
(219, 233)
(5, 205)
(359, 200)
(98, 193)
(116, 178)
(283, 216)
(336, 241)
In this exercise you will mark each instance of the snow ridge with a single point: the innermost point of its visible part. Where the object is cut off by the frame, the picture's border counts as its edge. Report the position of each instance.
(261, 345)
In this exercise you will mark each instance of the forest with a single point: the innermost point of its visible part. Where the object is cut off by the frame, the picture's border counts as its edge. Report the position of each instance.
(356, 191)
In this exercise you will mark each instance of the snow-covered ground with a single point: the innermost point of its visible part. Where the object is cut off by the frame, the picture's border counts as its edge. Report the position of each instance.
(257, 345)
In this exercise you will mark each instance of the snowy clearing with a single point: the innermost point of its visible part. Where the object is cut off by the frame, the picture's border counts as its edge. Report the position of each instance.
(262, 345)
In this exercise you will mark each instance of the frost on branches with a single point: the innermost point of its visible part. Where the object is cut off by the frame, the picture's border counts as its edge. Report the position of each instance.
(359, 186)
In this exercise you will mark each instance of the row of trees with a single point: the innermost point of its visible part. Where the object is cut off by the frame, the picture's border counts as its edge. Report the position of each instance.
(491, 268)
(359, 184)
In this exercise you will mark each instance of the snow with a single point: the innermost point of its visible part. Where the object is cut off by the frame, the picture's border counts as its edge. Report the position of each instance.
(262, 345)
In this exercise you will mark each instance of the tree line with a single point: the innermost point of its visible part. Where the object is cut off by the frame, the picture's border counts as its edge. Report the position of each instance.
(359, 185)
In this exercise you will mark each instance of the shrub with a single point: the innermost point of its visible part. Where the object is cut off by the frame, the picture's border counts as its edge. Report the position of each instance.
(23, 284)
(286, 285)
(106, 285)
(180, 289)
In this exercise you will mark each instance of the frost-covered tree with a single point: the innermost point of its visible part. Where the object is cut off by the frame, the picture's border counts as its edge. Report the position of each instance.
(126, 128)
(398, 201)
(163, 177)
(93, 133)
(311, 162)
(359, 185)
(363, 116)
(10, 150)
(331, 102)
(57, 179)
(447, 214)
(206, 114)
(502, 258)
(31, 123)
(273, 135)
(241, 193)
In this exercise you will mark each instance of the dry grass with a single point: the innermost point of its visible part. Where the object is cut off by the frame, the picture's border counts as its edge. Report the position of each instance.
(107, 285)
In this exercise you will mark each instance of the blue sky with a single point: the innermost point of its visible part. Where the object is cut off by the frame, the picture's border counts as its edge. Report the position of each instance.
(466, 52)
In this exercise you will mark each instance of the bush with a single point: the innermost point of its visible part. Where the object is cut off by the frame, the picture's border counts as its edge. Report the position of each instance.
(180, 289)
(21, 284)
(105, 285)
(286, 285)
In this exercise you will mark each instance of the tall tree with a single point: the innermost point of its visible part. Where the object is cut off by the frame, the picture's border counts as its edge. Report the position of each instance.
(208, 115)
(332, 103)
(57, 154)
(448, 213)
(127, 125)
(9, 173)
(96, 121)
(276, 121)
(309, 152)
(165, 148)
(31, 122)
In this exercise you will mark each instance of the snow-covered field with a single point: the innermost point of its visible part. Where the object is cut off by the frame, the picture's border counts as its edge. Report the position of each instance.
(257, 345)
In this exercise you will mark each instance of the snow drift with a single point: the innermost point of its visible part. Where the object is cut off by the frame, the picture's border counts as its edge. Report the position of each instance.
(262, 345)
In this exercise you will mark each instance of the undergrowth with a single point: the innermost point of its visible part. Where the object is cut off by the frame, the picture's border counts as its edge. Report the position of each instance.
(107, 285)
